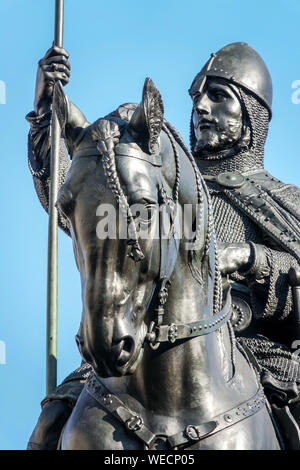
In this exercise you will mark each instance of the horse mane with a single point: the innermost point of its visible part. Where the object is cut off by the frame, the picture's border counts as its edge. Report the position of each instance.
(194, 261)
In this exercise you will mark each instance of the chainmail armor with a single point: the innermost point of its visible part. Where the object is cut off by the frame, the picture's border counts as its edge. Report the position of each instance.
(232, 224)
(279, 301)
(39, 162)
(274, 358)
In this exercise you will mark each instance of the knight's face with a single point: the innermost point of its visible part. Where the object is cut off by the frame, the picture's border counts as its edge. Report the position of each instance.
(217, 117)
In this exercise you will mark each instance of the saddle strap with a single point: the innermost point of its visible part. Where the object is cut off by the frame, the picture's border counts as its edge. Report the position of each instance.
(221, 422)
(190, 435)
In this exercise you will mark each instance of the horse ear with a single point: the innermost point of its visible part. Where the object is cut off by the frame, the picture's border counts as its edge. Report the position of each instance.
(148, 118)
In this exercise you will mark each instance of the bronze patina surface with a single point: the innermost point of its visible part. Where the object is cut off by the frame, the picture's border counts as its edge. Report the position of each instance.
(161, 359)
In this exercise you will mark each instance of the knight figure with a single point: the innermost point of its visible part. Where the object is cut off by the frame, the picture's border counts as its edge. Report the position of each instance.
(256, 215)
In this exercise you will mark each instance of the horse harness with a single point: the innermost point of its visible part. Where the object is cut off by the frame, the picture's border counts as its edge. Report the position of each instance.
(134, 423)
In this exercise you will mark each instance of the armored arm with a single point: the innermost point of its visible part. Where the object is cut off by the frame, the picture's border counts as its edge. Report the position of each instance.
(268, 276)
(264, 268)
(274, 208)
(268, 280)
(52, 67)
(39, 160)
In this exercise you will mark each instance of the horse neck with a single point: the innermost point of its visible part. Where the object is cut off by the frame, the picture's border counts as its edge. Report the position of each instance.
(184, 374)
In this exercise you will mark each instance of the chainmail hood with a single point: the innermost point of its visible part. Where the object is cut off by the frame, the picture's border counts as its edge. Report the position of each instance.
(256, 116)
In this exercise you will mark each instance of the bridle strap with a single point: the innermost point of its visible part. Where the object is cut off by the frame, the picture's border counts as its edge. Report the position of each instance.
(169, 247)
(174, 332)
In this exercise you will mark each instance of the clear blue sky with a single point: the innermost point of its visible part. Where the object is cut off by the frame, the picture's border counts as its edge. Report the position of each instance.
(113, 46)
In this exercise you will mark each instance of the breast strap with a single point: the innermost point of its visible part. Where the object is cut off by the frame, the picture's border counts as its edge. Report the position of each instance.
(190, 435)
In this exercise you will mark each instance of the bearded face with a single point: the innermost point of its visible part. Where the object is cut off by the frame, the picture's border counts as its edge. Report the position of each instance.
(217, 117)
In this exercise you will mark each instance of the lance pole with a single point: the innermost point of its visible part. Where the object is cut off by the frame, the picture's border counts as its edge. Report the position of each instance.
(51, 348)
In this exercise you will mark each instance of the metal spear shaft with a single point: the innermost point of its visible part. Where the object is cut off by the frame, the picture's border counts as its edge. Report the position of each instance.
(51, 353)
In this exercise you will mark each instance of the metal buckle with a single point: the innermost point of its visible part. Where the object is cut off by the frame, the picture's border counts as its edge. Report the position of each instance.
(135, 423)
(172, 333)
(151, 336)
(192, 432)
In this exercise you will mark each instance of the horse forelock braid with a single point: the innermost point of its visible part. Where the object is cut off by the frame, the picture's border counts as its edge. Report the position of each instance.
(113, 183)
(102, 136)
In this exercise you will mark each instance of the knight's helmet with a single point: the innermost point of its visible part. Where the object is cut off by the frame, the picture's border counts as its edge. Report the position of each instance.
(239, 64)
(242, 66)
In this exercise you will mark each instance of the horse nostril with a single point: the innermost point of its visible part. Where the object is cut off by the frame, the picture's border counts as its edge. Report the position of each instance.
(123, 350)
(123, 358)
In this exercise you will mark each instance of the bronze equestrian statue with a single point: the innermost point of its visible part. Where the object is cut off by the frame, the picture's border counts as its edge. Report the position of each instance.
(58, 406)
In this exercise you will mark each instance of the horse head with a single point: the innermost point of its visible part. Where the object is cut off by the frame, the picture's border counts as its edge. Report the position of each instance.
(117, 272)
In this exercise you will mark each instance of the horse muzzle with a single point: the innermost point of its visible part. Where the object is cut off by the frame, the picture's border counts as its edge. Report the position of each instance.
(117, 357)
